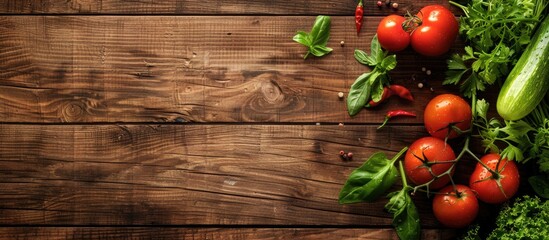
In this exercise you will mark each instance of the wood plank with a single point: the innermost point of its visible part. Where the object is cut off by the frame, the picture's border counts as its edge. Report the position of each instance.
(188, 69)
(92, 233)
(186, 7)
(190, 174)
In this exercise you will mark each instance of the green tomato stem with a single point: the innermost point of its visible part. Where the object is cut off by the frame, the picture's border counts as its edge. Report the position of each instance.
(398, 155)
(402, 174)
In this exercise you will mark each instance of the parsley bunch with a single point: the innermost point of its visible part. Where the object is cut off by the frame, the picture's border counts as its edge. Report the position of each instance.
(526, 218)
(497, 32)
(521, 140)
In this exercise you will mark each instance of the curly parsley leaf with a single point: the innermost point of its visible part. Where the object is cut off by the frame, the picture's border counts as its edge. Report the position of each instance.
(527, 218)
(317, 39)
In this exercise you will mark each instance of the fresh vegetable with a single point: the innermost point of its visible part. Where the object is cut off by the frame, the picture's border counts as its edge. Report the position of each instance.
(375, 177)
(405, 215)
(526, 218)
(431, 32)
(426, 160)
(317, 39)
(371, 180)
(391, 90)
(391, 35)
(359, 14)
(495, 179)
(528, 82)
(402, 92)
(447, 116)
(370, 85)
(396, 113)
(496, 32)
(387, 93)
(521, 140)
(437, 31)
(513, 135)
(455, 208)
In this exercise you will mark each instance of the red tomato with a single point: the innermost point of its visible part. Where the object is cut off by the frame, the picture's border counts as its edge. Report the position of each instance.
(445, 111)
(424, 152)
(486, 185)
(391, 35)
(455, 210)
(437, 32)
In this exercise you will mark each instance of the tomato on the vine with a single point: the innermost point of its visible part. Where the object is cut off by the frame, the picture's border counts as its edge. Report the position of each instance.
(495, 188)
(446, 112)
(437, 31)
(427, 157)
(455, 208)
(391, 35)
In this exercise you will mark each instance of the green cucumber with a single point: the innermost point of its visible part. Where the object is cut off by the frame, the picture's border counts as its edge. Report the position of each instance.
(528, 81)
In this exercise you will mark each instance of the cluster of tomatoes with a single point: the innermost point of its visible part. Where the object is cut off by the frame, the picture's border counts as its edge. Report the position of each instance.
(430, 162)
(431, 32)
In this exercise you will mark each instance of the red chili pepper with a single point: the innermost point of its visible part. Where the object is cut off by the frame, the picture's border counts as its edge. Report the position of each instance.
(387, 93)
(402, 92)
(396, 113)
(394, 89)
(359, 13)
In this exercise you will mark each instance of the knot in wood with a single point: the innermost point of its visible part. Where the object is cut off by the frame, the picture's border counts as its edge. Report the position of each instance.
(272, 92)
(73, 111)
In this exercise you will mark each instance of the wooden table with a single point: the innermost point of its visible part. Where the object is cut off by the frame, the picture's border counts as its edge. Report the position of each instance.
(193, 120)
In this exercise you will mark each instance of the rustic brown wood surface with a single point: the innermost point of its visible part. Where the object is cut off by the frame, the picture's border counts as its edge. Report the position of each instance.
(64, 233)
(185, 119)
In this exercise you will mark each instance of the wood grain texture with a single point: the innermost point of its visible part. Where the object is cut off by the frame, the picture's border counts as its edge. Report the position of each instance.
(190, 7)
(96, 233)
(190, 174)
(189, 69)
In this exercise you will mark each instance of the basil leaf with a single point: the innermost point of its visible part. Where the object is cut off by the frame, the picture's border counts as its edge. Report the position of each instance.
(405, 215)
(369, 181)
(540, 184)
(321, 30)
(320, 51)
(317, 39)
(359, 94)
(389, 63)
(375, 50)
(303, 38)
(377, 88)
(361, 91)
(364, 58)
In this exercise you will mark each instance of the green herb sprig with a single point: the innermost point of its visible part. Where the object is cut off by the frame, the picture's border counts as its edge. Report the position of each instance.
(496, 33)
(370, 85)
(317, 39)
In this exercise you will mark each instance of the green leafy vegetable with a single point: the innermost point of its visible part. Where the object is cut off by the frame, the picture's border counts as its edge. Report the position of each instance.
(527, 218)
(370, 85)
(405, 215)
(512, 134)
(317, 39)
(371, 180)
(374, 178)
(497, 32)
(522, 140)
(472, 233)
